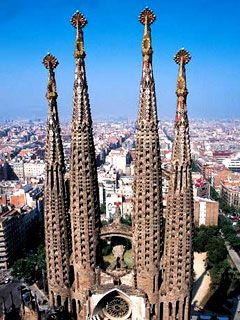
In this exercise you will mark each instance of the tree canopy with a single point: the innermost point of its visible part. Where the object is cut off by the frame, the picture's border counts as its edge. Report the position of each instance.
(28, 267)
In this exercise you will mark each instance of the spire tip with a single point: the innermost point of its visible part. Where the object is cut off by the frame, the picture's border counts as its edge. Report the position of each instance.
(78, 19)
(182, 54)
(50, 61)
(147, 14)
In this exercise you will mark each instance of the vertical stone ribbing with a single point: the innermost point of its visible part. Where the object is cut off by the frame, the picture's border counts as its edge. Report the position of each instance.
(84, 202)
(147, 218)
(56, 215)
(178, 256)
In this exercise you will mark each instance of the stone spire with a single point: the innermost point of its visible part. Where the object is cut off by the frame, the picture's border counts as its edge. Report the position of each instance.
(84, 201)
(147, 218)
(178, 256)
(56, 215)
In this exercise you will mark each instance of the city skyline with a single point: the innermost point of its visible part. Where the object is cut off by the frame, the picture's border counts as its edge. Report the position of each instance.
(210, 32)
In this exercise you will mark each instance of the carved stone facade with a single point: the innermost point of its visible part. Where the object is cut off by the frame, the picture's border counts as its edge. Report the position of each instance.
(157, 284)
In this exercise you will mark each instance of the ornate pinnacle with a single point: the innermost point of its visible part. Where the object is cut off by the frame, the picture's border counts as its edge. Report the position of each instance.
(50, 62)
(79, 21)
(182, 58)
(147, 17)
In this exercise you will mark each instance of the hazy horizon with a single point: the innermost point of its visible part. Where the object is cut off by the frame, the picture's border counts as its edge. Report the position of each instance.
(113, 35)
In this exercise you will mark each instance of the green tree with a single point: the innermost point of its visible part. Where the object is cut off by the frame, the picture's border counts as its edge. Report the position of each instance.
(225, 280)
(219, 274)
(127, 220)
(214, 194)
(216, 251)
(238, 226)
(103, 208)
(234, 241)
(234, 276)
(195, 168)
(41, 257)
(202, 235)
(227, 230)
(25, 268)
(224, 206)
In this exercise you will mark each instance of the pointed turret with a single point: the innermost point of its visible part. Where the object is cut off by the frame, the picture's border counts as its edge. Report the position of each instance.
(56, 215)
(84, 201)
(147, 109)
(147, 218)
(178, 256)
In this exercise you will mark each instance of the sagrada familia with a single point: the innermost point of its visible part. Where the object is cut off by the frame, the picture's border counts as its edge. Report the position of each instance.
(158, 286)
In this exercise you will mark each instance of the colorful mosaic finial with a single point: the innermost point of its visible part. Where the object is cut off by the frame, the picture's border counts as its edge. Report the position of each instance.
(79, 21)
(147, 17)
(182, 55)
(182, 58)
(50, 61)
(147, 14)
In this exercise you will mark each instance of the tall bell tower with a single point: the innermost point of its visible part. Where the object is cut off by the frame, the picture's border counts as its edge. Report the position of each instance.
(148, 209)
(56, 215)
(84, 201)
(178, 254)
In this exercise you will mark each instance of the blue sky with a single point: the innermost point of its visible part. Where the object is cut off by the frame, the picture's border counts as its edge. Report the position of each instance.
(210, 30)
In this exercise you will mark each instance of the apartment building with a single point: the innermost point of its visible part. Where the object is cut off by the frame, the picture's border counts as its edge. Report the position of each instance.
(15, 226)
(230, 192)
(205, 212)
